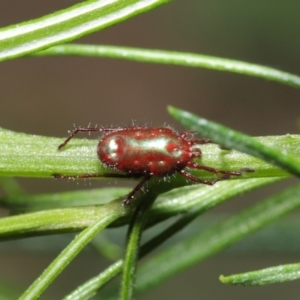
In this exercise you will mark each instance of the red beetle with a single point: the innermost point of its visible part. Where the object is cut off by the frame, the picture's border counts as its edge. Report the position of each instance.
(145, 152)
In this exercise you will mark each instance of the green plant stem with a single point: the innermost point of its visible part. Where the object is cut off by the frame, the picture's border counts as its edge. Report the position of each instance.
(175, 58)
(133, 247)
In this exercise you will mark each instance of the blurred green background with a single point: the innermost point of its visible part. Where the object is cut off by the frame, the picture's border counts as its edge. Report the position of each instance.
(45, 96)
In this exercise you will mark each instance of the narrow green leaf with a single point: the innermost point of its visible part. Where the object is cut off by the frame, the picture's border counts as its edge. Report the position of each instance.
(238, 141)
(57, 220)
(68, 24)
(27, 203)
(36, 156)
(107, 248)
(89, 288)
(53, 221)
(133, 247)
(28, 155)
(196, 201)
(11, 187)
(68, 254)
(176, 58)
(213, 240)
(271, 275)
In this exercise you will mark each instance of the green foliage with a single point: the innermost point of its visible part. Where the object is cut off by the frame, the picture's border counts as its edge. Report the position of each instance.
(89, 212)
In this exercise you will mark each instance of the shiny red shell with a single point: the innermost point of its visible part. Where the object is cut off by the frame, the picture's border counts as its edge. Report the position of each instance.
(157, 151)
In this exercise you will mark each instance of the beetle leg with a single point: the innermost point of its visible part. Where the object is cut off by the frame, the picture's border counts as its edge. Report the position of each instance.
(194, 165)
(85, 129)
(128, 197)
(136, 189)
(196, 179)
(185, 134)
(91, 175)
